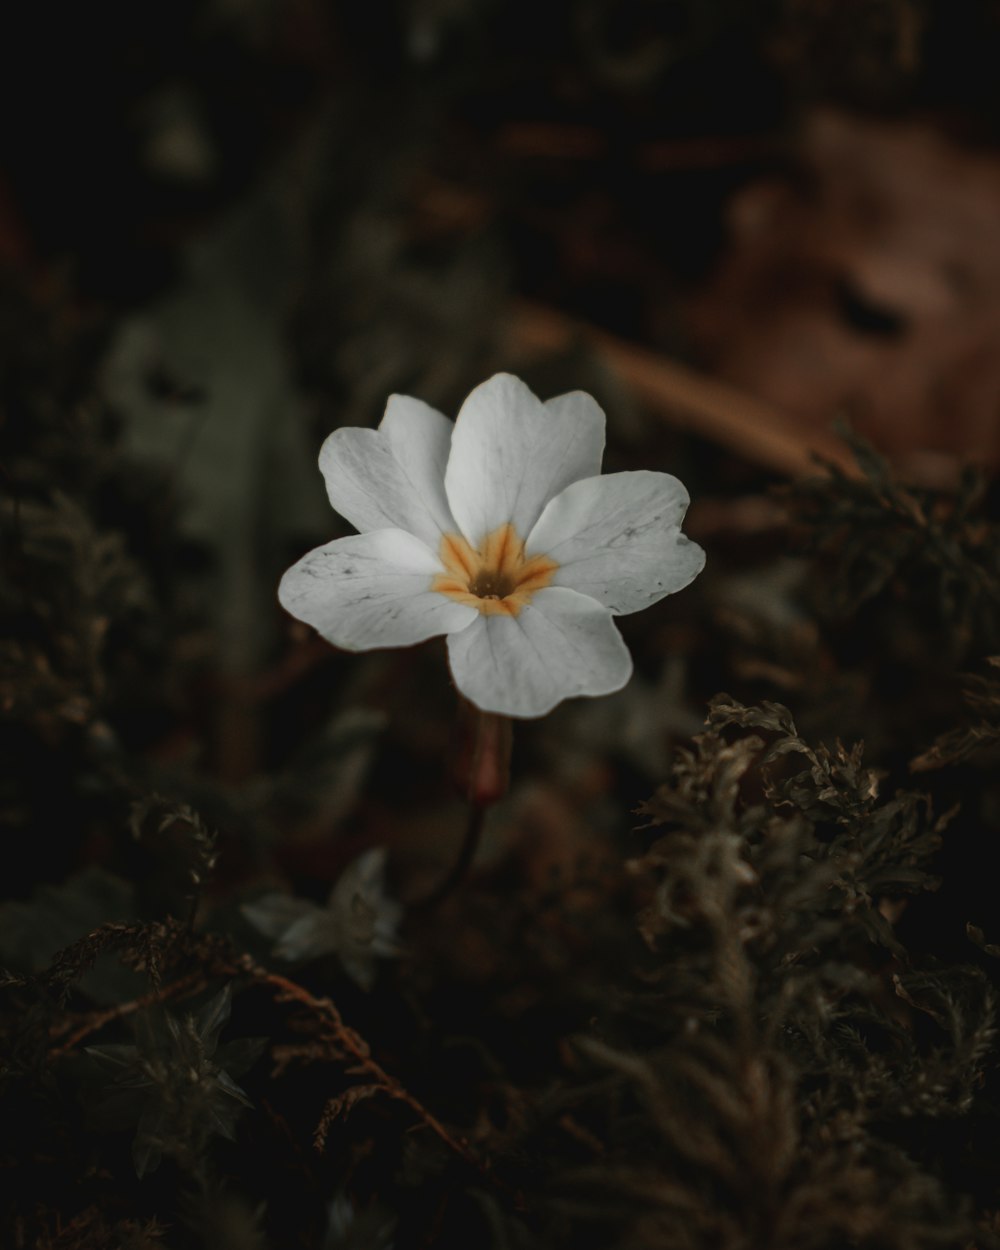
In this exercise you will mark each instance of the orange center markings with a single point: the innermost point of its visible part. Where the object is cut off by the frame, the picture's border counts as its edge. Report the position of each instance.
(497, 578)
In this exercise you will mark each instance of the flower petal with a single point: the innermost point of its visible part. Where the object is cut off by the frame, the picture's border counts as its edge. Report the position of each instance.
(617, 539)
(559, 645)
(371, 590)
(392, 477)
(510, 454)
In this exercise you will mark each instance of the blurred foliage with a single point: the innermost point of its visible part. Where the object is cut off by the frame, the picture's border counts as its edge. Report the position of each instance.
(175, 1083)
(357, 924)
(713, 1031)
(765, 1017)
(978, 741)
(881, 539)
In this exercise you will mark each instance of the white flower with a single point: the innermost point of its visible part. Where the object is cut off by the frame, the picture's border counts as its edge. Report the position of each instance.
(358, 923)
(499, 531)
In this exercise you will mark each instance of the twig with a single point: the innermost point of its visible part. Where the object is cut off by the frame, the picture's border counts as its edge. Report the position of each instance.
(341, 1035)
(193, 982)
(355, 1045)
(690, 400)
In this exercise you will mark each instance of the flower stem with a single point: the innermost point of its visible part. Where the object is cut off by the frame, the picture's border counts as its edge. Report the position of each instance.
(482, 773)
(459, 869)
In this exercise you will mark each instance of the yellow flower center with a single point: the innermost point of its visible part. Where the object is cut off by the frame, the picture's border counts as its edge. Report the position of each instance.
(497, 577)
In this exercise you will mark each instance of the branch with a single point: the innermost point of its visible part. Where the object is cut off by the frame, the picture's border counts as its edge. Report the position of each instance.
(687, 399)
(353, 1044)
(95, 1020)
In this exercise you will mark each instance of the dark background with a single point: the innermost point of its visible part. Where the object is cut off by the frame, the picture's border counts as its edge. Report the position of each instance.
(226, 229)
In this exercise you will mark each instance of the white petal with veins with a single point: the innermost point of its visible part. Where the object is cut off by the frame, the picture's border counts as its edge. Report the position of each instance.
(510, 454)
(392, 477)
(371, 590)
(559, 645)
(617, 539)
